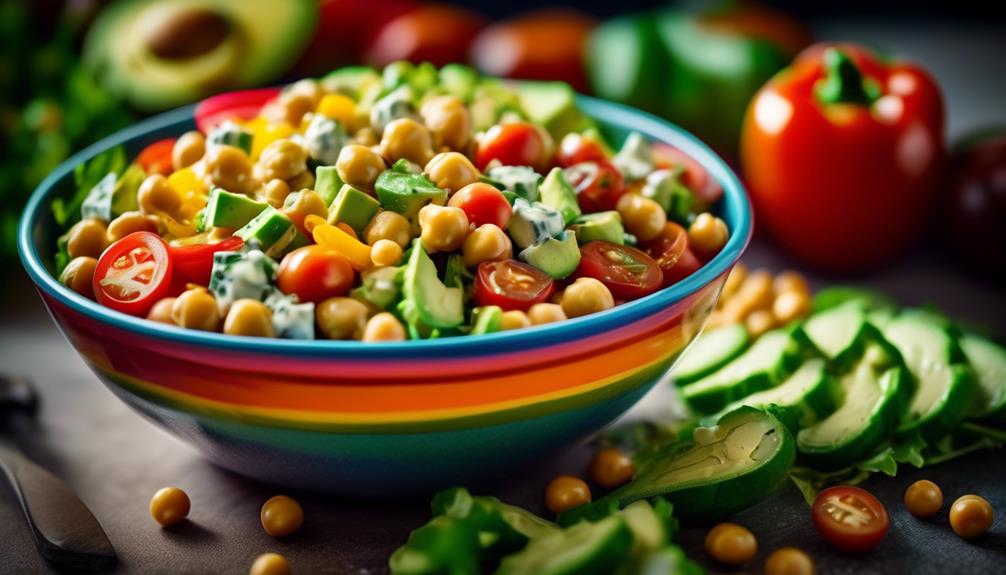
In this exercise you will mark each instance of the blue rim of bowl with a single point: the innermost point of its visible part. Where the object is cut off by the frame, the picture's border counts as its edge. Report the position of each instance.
(736, 209)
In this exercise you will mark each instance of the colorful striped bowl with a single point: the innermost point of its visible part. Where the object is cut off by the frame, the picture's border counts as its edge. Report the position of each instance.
(410, 416)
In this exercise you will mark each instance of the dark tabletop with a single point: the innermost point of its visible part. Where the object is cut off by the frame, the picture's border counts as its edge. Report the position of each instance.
(115, 460)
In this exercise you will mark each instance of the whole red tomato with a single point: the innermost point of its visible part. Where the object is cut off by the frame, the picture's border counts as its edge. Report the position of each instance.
(315, 273)
(483, 204)
(544, 44)
(843, 154)
(515, 144)
(437, 33)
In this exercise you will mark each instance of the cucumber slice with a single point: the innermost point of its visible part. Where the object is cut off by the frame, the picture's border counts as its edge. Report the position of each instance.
(943, 385)
(875, 392)
(649, 530)
(710, 351)
(808, 389)
(587, 548)
(762, 366)
(989, 363)
(720, 470)
(839, 333)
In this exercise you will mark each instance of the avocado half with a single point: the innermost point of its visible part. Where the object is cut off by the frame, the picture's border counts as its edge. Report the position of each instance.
(157, 54)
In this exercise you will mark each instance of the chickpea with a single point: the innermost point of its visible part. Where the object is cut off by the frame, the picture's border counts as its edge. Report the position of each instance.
(788, 281)
(366, 136)
(759, 322)
(754, 294)
(586, 296)
(342, 318)
(486, 243)
(971, 516)
(790, 305)
(230, 168)
(169, 506)
(388, 225)
(157, 196)
(195, 308)
(130, 222)
(249, 317)
(406, 138)
(514, 319)
(303, 181)
(707, 235)
(923, 498)
(290, 107)
(566, 492)
(275, 192)
(443, 228)
(359, 166)
(283, 159)
(299, 205)
(307, 87)
(642, 216)
(451, 171)
(611, 468)
(86, 238)
(384, 327)
(281, 516)
(189, 149)
(385, 253)
(731, 544)
(789, 561)
(270, 564)
(78, 275)
(733, 282)
(542, 313)
(448, 119)
(161, 310)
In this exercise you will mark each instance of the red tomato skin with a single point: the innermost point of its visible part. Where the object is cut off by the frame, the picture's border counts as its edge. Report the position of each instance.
(847, 539)
(838, 187)
(483, 204)
(515, 144)
(599, 191)
(315, 273)
(194, 263)
(672, 253)
(436, 33)
(241, 105)
(575, 149)
(593, 264)
(160, 288)
(156, 158)
(483, 293)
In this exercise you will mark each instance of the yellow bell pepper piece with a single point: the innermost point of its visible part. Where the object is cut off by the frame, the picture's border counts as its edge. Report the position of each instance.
(325, 234)
(265, 134)
(338, 107)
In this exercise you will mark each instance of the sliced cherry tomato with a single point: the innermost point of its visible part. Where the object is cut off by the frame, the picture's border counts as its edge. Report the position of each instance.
(671, 252)
(315, 273)
(628, 272)
(695, 177)
(483, 204)
(515, 144)
(576, 148)
(437, 33)
(850, 518)
(241, 105)
(156, 158)
(133, 273)
(598, 185)
(511, 285)
(193, 263)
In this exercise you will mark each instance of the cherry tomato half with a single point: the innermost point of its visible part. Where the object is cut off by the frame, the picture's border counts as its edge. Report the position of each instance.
(695, 177)
(315, 273)
(598, 185)
(628, 272)
(133, 273)
(850, 518)
(193, 263)
(483, 204)
(576, 148)
(671, 252)
(156, 158)
(511, 285)
(241, 105)
(437, 33)
(515, 144)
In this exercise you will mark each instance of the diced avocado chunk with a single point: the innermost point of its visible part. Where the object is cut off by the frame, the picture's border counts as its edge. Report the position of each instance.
(425, 299)
(635, 158)
(558, 194)
(532, 223)
(324, 139)
(487, 319)
(605, 226)
(459, 80)
(353, 207)
(230, 134)
(552, 105)
(558, 256)
(406, 193)
(271, 230)
(380, 286)
(228, 210)
(522, 181)
(290, 319)
(327, 183)
(241, 275)
(663, 187)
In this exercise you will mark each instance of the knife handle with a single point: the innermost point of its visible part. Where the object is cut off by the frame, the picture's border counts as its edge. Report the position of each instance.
(65, 531)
